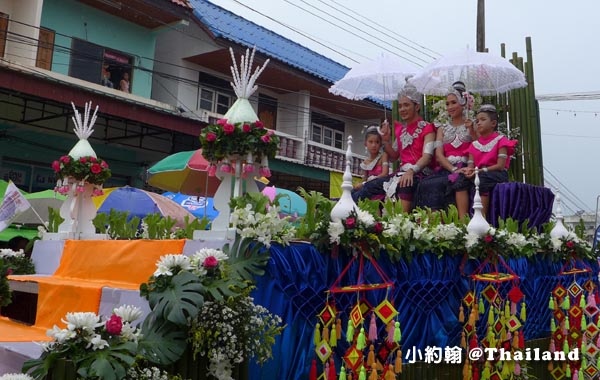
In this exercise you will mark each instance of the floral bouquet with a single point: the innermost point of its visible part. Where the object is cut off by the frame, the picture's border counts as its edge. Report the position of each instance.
(499, 242)
(223, 143)
(204, 299)
(12, 262)
(102, 349)
(565, 248)
(86, 169)
(263, 225)
(360, 230)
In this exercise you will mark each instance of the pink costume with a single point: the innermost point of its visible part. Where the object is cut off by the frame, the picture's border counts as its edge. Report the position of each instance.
(373, 168)
(485, 150)
(456, 143)
(410, 139)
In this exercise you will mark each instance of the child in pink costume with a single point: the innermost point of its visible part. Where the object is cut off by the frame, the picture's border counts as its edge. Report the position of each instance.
(490, 153)
(376, 165)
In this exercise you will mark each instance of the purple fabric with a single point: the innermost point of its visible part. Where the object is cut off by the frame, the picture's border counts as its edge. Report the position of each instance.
(521, 202)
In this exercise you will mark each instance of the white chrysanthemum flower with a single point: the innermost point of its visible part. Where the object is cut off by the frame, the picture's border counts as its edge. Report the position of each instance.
(130, 332)
(447, 231)
(365, 217)
(7, 252)
(471, 240)
(517, 240)
(169, 263)
(556, 243)
(16, 376)
(198, 258)
(86, 321)
(128, 313)
(492, 231)
(97, 343)
(335, 230)
(60, 335)
(422, 233)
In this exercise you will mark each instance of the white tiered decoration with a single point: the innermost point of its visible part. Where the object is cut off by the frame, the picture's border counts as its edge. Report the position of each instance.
(477, 225)
(233, 184)
(345, 204)
(559, 230)
(78, 210)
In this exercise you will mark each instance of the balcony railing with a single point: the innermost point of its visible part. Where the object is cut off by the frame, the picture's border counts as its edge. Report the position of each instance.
(303, 151)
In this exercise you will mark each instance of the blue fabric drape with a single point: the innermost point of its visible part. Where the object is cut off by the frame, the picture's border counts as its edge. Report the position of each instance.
(427, 293)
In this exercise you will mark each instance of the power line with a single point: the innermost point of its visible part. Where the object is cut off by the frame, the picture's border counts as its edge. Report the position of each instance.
(562, 186)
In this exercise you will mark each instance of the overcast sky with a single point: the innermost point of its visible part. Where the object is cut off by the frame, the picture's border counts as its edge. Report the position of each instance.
(565, 52)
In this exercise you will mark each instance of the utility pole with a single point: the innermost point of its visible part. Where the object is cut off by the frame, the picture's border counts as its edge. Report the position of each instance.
(480, 25)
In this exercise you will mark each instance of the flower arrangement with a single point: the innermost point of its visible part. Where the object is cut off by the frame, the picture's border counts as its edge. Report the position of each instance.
(12, 262)
(223, 143)
(102, 349)
(263, 226)
(16, 376)
(360, 230)
(204, 299)
(86, 169)
(152, 373)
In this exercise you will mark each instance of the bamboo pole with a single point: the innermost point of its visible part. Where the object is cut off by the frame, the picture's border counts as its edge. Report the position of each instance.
(525, 127)
(538, 163)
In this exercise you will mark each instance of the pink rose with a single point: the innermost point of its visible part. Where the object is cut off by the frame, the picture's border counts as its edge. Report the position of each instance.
(65, 159)
(488, 238)
(104, 164)
(82, 160)
(378, 227)
(226, 168)
(212, 170)
(264, 171)
(211, 136)
(228, 129)
(210, 262)
(350, 223)
(248, 168)
(246, 128)
(92, 159)
(570, 244)
(259, 124)
(56, 166)
(114, 325)
(222, 122)
(265, 138)
(96, 168)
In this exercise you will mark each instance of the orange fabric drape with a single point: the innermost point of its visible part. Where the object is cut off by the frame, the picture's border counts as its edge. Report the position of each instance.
(86, 266)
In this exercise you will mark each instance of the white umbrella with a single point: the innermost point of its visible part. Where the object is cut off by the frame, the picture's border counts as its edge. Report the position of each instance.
(381, 78)
(482, 73)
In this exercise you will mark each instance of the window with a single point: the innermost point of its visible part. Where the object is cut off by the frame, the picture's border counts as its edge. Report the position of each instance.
(213, 101)
(327, 136)
(317, 133)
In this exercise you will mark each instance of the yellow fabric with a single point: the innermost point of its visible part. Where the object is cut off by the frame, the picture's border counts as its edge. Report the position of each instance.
(13, 331)
(100, 198)
(86, 266)
(335, 184)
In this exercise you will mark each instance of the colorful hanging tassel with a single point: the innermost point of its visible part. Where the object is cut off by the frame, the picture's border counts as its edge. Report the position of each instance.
(371, 356)
(363, 373)
(473, 342)
(567, 324)
(583, 323)
(398, 362)
(517, 369)
(481, 306)
(591, 300)
(566, 347)
(552, 325)
(461, 314)
(550, 366)
(490, 320)
(463, 340)
(566, 304)
(576, 375)
(582, 304)
(361, 341)
(485, 374)
(568, 370)
(326, 371)
(373, 328)
(515, 340)
(325, 334)
(523, 312)
(317, 336)
(475, 375)
(506, 310)
(338, 328)
(551, 303)
(350, 332)
(513, 308)
(342, 373)
(390, 374)
(473, 317)
(332, 373)
(333, 338)
(397, 332)
(312, 375)
(466, 370)
(374, 375)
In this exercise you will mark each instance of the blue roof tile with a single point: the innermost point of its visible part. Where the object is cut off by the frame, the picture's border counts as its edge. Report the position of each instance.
(225, 24)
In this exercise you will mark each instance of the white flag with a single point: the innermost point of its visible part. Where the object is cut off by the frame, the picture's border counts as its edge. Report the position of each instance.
(12, 205)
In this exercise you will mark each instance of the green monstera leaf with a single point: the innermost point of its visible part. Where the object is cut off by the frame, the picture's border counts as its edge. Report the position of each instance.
(163, 342)
(109, 364)
(181, 300)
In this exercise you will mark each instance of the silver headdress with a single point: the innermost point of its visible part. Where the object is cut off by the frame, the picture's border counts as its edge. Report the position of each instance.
(411, 92)
(487, 108)
(458, 89)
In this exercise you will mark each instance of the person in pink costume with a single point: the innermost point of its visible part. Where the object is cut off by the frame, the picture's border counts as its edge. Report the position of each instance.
(489, 154)
(414, 148)
(376, 165)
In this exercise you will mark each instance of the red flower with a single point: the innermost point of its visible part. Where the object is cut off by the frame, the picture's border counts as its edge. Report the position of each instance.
(488, 238)
(96, 168)
(104, 164)
(259, 124)
(211, 136)
(266, 138)
(82, 160)
(114, 325)
(228, 129)
(56, 166)
(92, 158)
(246, 128)
(65, 159)
(222, 122)
(9, 271)
(570, 244)
(378, 227)
(210, 262)
(212, 170)
(350, 223)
